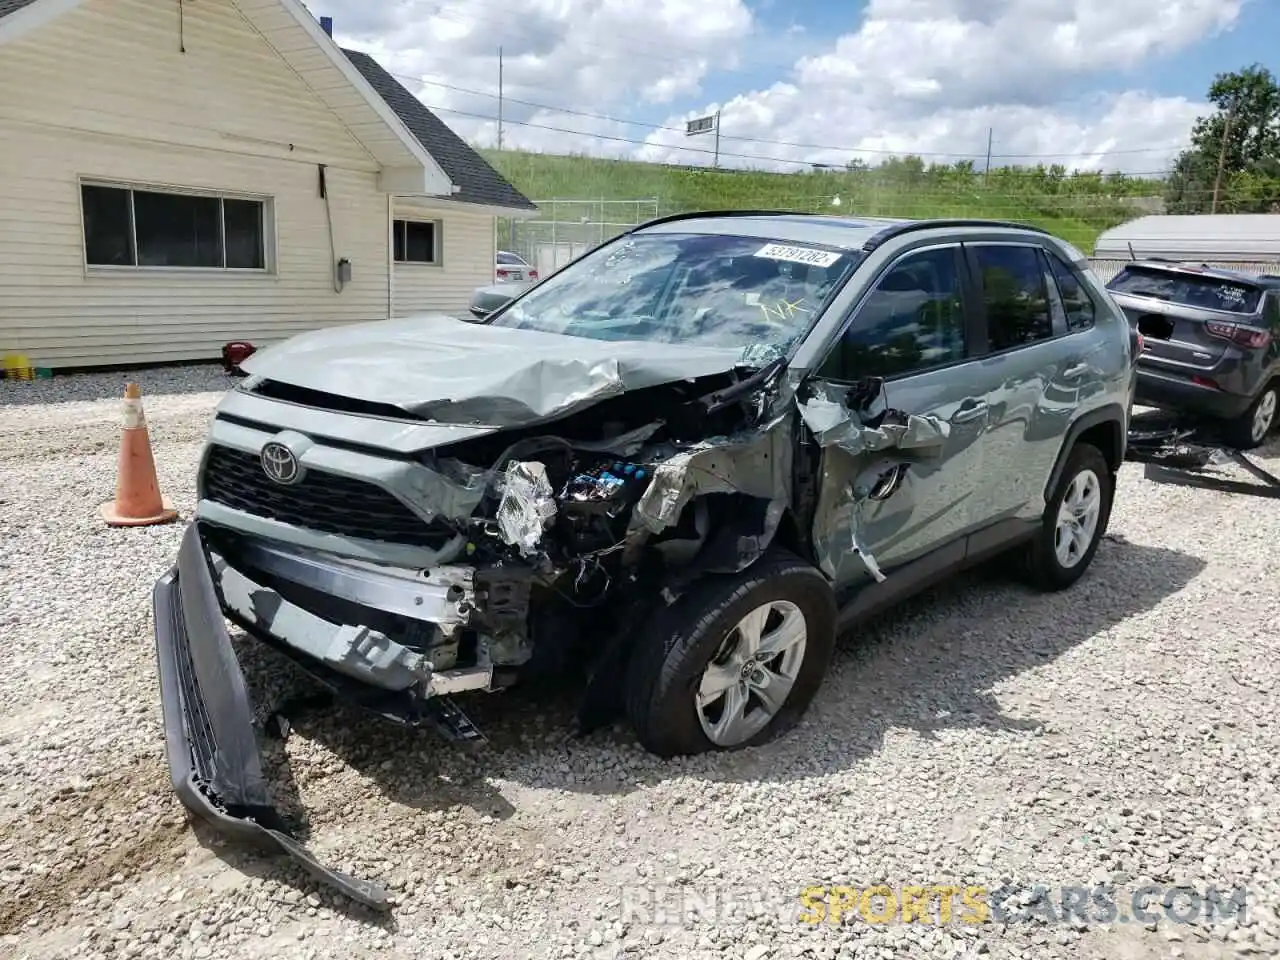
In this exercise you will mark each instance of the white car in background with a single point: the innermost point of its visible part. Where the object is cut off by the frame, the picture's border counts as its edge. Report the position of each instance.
(512, 268)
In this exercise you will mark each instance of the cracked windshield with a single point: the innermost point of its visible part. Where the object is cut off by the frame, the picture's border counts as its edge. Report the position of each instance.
(721, 291)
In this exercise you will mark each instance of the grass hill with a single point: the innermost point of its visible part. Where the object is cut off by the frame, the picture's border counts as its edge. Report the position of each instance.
(1076, 206)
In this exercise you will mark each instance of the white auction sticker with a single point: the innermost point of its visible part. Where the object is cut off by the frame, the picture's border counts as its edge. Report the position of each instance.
(807, 255)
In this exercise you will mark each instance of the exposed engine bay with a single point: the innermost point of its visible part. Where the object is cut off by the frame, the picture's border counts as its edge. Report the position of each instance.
(550, 537)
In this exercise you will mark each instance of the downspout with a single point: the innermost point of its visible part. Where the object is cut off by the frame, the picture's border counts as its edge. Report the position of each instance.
(391, 256)
(335, 276)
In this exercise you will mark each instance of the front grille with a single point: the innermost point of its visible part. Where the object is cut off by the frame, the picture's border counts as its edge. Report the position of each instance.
(324, 502)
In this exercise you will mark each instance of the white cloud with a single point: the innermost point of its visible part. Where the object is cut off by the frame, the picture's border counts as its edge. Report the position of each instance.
(911, 76)
(591, 56)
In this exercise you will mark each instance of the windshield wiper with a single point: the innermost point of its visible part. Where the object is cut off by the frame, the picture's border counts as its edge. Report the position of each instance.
(1154, 294)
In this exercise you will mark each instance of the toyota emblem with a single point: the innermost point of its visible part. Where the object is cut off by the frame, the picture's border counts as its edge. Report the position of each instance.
(279, 463)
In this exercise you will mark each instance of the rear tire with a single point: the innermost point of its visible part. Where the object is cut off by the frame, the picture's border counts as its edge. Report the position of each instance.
(698, 644)
(1250, 429)
(1063, 549)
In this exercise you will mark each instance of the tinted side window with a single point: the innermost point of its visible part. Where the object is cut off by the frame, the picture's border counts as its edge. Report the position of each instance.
(1014, 292)
(1075, 298)
(913, 320)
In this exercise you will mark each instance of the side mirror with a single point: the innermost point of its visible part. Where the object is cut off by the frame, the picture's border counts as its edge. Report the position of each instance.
(487, 300)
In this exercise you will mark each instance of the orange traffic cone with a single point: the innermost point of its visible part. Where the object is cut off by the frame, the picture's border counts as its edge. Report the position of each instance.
(138, 502)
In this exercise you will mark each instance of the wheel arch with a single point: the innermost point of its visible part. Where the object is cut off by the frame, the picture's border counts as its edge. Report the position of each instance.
(1102, 428)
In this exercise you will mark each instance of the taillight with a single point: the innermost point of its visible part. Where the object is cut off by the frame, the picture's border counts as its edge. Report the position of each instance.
(533, 274)
(1140, 346)
(1205, 382)
(1250, 337)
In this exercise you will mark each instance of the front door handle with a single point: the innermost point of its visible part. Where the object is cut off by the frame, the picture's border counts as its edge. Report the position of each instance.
(1075, 372)
(969, 411)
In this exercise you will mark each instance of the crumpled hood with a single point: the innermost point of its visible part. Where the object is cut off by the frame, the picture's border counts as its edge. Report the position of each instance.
(441, 368)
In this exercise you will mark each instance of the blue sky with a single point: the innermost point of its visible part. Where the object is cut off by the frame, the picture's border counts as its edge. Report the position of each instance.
(1097, 84)
(1254, 39)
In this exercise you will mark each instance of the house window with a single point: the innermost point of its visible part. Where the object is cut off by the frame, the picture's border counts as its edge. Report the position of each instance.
(417, 241)
(128, 227)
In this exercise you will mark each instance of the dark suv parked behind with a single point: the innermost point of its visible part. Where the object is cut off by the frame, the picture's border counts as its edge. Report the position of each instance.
(1212, 343)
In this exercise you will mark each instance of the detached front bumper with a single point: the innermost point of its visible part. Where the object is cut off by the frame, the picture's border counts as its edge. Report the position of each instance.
(210, 739)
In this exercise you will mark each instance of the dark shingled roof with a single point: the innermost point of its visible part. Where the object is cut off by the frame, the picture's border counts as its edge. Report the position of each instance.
(12, 6)
(479, 182)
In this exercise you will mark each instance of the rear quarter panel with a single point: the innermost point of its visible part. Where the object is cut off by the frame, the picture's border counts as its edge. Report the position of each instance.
(1111, 387)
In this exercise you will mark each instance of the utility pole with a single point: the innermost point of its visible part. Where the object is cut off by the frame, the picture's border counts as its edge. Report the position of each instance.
(715, 158)
(991, 132)
(1222, 156)
(499, 98)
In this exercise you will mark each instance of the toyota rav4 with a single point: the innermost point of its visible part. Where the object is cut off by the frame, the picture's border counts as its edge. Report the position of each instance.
(679, 467)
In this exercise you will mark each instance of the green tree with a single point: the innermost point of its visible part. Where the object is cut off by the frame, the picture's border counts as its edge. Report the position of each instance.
(1243, 135)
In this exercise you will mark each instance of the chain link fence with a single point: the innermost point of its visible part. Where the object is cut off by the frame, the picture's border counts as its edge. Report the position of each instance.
(567, 228)
(1106, 269)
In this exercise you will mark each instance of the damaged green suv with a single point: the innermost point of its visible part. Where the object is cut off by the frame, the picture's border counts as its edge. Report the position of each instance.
(677, 467)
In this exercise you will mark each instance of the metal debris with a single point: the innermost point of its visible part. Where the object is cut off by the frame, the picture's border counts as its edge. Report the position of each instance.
(527, 506)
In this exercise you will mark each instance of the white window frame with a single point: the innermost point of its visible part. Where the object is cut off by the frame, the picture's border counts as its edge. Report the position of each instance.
(437, 253)
(269, 230)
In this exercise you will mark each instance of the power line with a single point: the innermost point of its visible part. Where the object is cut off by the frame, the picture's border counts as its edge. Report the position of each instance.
(568, 111)
(645, 143)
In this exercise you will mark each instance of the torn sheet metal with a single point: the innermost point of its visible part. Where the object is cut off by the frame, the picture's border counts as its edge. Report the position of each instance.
(626, 444)
(838, 522)
(441, 368)
(450, 488)
(837, 527)
(834, 424)
(755, 463)
(527, 506)
(356, 651)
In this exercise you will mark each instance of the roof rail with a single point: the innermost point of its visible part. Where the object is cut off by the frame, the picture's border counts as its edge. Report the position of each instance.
(910, 226)
(698, 214)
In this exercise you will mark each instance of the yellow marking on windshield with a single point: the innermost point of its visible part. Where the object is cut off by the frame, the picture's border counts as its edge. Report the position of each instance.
(784, 309)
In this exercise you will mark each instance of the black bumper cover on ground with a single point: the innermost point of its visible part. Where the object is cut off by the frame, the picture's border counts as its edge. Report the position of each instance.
(209, 735)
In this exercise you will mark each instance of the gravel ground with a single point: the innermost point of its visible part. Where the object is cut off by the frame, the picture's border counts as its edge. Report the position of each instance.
(1123, 732)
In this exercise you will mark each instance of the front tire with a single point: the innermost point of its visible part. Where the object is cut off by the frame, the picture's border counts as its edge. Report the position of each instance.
(1075, 519)
(735, 661)
(1250, 429)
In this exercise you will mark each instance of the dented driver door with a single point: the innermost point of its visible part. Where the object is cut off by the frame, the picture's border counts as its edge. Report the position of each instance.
(899, 468)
